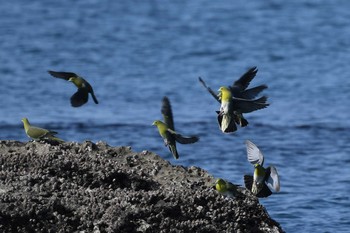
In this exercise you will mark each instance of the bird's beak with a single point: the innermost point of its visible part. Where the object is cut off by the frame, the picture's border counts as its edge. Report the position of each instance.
(70, 80)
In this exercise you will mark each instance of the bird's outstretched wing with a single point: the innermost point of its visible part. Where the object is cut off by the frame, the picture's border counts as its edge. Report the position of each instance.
(248, 181)
(79, 98)
(273, 181)
(209, 89)
(247, 106)
(243, 82)
(62, 75)
(167, 113)
(251, 93)
(254, 154)
(183, 139)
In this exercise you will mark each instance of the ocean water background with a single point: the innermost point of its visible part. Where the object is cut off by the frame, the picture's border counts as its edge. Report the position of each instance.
(135, 52)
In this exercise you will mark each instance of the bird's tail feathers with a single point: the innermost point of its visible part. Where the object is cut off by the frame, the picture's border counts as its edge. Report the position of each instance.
(94, 98)
(53, 138)
(226, 123)
(173, 150)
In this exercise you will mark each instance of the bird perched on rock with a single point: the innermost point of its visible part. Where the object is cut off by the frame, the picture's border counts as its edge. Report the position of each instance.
(84, 88)
(243, 99)
(226, 188)
(37, 133)
(263, 179)
(167, 131)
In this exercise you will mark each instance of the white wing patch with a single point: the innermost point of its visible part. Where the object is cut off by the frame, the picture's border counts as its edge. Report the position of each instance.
(254, 155)
(273, 182)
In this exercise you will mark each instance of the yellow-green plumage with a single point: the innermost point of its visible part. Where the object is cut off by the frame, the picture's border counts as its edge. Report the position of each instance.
(226, 112)
(37, 133)
(259, 179)
(77, 81)
(84, 88)
(236, 100)
(263, 179)
(169, 140)
(167, 131)
(226, 188)
(225, 94)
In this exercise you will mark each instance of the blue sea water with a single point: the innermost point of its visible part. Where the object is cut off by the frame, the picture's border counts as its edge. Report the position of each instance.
(135, 52)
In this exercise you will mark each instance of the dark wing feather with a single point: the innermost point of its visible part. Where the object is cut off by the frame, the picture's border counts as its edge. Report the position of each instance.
(88, 88)
(182, 139)
(79, 98)
(264, 192)
(167, 113)
(248, 182)
(209, 89)
(252, 92)
(246, 106)
(243, 82)
(62, 75)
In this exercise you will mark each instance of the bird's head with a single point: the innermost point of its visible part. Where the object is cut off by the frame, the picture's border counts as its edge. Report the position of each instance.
(224, 93)
(25, 120)
(156, 122)
(223, 89)
(220, 185)
(78, 82)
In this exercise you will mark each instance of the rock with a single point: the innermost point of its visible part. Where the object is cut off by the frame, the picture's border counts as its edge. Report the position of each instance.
(89, 187)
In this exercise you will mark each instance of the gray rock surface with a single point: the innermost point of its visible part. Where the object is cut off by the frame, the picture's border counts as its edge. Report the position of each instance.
(90, 187)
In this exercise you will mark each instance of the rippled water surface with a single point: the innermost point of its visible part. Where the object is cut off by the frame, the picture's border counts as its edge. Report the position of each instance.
(135, 52)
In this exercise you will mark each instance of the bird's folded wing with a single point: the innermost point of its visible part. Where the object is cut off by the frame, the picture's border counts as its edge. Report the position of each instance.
(254, 154)
(246, 106)
(252, 92)
(244, 81)
(230, 186)
(62, 75)
(167, 113)
(209, 90)
(79, 98)
(273, 181)
(183, 139)
(36, 132)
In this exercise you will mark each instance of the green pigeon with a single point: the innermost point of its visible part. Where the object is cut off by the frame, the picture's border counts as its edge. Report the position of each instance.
(226, 188)
(84, 88)
(239, 90)
(37, 133)
(167, 131)
(264, 179)
(232, 108)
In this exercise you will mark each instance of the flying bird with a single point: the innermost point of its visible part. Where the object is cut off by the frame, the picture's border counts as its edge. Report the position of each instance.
(264, 179)
(233, 108)
(167, 131)
(243, 101)
(37, 133)
(84, 88)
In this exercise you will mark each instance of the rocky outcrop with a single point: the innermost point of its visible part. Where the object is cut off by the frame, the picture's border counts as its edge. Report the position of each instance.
(89, 187)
